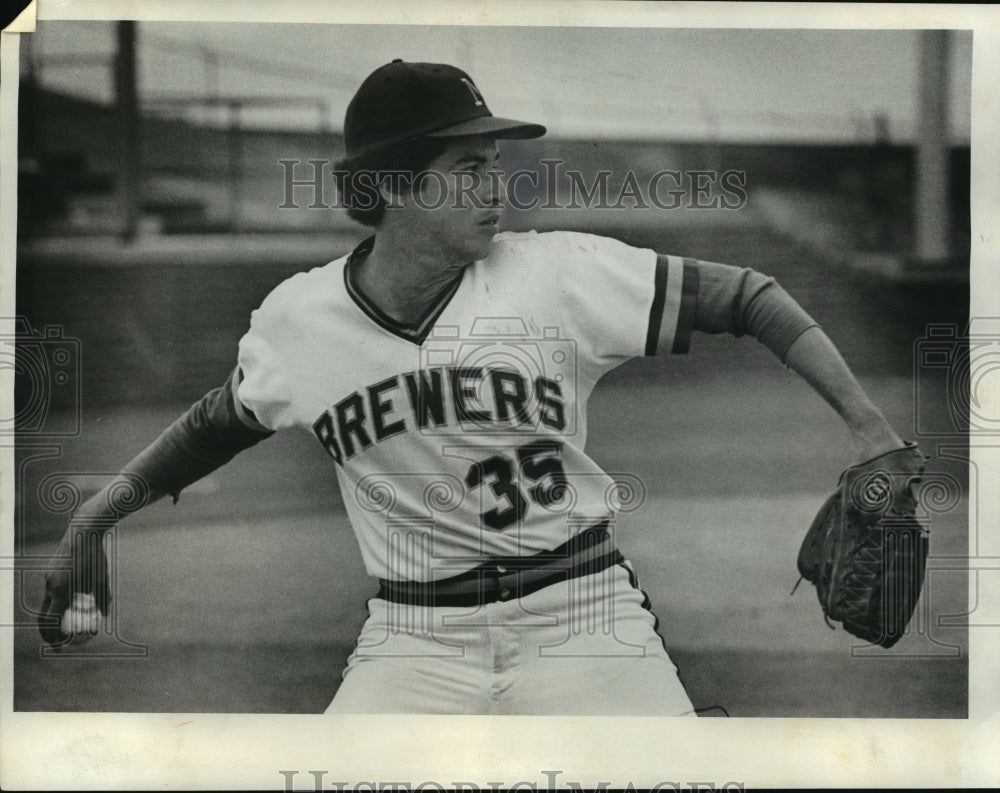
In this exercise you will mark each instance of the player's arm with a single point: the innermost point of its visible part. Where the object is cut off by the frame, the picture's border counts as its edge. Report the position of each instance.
(742, 301)
(814, 357)
(213, 431)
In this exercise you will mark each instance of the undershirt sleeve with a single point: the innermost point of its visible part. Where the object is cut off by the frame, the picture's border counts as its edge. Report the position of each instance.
(742, 301)
(208, 435)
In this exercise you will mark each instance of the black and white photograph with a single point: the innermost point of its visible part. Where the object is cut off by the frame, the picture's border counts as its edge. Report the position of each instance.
(593, 372)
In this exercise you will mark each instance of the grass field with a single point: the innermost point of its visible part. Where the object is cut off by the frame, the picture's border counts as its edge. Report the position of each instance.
(248, 594)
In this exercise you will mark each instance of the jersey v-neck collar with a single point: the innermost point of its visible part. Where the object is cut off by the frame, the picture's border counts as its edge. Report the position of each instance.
(416, 332)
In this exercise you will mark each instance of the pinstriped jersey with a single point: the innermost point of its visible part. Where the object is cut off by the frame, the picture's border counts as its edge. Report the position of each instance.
(463, 437)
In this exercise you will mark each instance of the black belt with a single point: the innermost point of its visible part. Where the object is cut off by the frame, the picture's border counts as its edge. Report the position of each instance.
(511, 577)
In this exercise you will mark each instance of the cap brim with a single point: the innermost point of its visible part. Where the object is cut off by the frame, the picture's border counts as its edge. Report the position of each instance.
(505, 128)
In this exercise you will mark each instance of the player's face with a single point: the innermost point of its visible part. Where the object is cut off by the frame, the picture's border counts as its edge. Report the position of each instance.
(461, 200)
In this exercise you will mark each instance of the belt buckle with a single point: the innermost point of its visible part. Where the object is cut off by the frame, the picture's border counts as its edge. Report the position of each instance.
(502, 590)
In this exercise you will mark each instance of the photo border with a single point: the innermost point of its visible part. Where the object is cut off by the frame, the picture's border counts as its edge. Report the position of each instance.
(237, 751)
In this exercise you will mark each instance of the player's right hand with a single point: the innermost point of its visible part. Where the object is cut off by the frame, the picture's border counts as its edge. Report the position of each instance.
(77, 590)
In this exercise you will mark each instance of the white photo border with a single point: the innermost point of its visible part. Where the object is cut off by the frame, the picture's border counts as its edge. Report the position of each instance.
(153, 751)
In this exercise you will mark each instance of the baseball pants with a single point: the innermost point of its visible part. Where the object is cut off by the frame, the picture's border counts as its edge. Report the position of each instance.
(586, 646)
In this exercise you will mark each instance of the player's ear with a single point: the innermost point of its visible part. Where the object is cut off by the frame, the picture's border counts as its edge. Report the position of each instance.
(394, 189)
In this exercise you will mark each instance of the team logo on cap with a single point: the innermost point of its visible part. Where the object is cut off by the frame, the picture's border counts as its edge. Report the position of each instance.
(474, 91)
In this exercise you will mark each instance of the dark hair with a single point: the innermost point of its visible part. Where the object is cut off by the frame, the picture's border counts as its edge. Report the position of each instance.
(358, 178)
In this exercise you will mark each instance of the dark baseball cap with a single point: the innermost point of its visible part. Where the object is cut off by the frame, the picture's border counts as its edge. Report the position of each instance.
(401, 100)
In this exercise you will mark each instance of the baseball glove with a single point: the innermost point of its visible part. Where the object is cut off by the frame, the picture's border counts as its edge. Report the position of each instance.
(865, 551)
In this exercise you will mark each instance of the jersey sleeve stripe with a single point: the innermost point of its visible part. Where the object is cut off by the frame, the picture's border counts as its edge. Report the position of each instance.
(660, 278)
(688, 305)
(668, 304)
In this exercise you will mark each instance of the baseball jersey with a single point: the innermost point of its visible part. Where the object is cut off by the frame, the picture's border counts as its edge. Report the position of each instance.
(463, 437)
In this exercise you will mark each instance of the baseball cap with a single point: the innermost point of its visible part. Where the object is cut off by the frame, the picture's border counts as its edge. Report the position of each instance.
(404, 100)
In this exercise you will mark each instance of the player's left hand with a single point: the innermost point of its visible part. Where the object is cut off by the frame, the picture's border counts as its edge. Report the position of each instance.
(77, 591)
(865, 551)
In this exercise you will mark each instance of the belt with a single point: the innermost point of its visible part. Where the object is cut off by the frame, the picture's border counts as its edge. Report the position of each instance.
(511, 577)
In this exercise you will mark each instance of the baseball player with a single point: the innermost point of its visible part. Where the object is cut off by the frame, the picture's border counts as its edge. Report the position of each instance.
(445, 368)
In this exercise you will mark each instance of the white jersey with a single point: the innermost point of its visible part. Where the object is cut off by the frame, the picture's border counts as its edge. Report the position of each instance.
(462, 438)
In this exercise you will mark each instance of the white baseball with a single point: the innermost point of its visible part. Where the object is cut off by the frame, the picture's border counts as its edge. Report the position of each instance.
(82, 620)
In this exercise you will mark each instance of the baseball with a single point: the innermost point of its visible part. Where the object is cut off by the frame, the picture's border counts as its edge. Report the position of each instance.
(82, 619)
